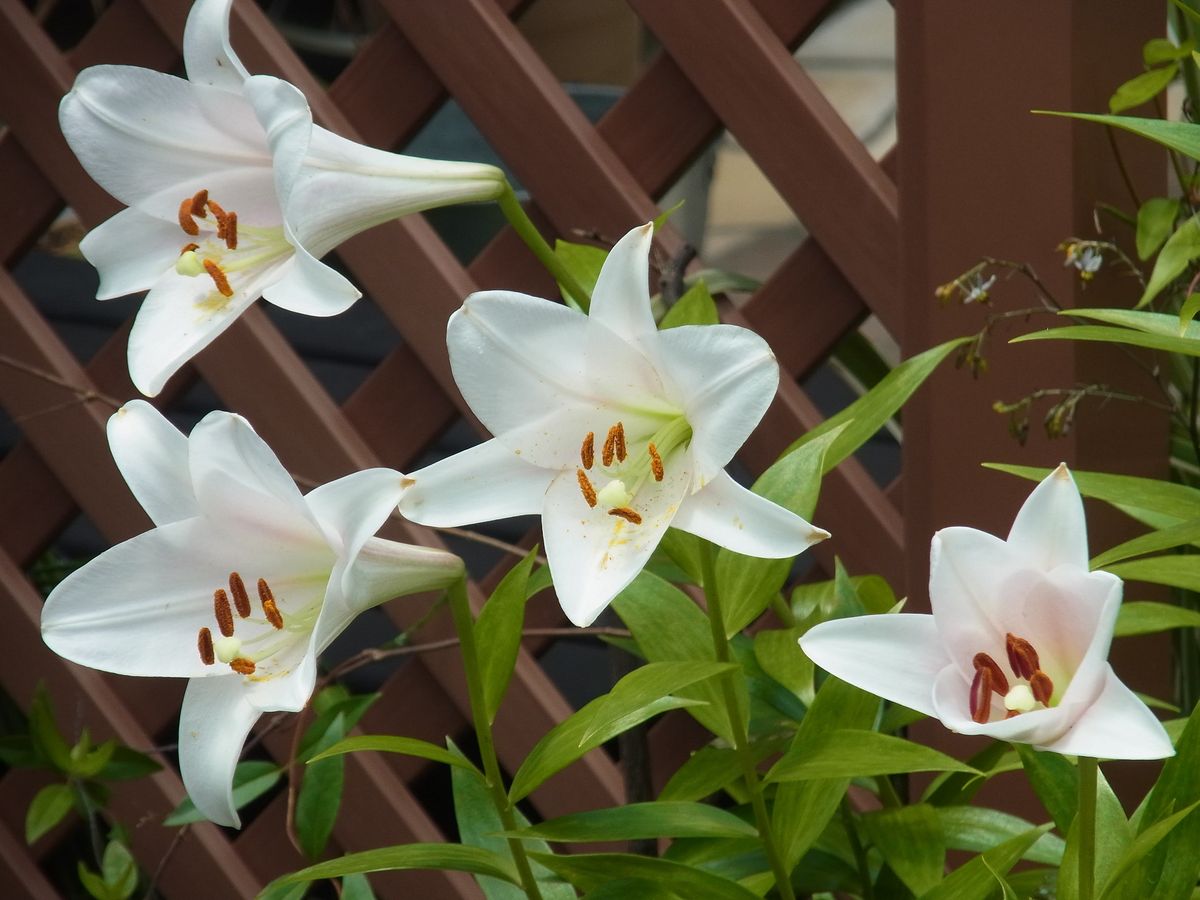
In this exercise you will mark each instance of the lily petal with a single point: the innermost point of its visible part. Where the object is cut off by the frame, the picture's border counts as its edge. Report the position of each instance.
(207, 55)
(108, 248)
(621, 298)
(152, 457)
(310, 287)
(351, 509)
(728, 514)
(724, 377)
(213, 725)
(1050, 530)
(896, 657)
(1117, 725)
(484, 483)
(593, 555)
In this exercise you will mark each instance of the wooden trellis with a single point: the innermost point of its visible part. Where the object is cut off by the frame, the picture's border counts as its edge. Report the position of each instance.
(724, 64)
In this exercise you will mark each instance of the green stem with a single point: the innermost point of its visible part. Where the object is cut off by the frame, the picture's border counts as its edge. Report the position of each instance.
(733, 709)
(1087, 827)
(464, 623)
(520, 221)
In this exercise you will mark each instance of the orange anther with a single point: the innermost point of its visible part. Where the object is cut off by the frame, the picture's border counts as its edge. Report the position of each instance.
(188, 248)
(219, 213)
(270, 608)
(585, 487)
(198, 201)
(587, 452)
(656, 463)
(1021, 656)
(205, 644)
(610, 447)
(241, 599)
(624, 512)
(186, 222)
(1042, 687)
(222, 611)
(620, 442)
(999, 681)
(231, 230)
(218, 278)
(243, 666)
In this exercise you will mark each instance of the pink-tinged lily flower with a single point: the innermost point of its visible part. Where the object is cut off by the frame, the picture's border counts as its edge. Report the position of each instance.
(239, 587)
(1017, 646)
(233, 194)
(608, 428)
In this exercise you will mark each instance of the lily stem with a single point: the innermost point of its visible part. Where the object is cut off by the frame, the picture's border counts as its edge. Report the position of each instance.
(1087, 827)
(464, 622)
(733, 709)
(528, 232)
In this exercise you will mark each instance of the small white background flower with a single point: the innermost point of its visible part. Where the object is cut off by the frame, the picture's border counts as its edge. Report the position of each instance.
(239, 587)
(186, 155)
(1017, 645)
(608, 428)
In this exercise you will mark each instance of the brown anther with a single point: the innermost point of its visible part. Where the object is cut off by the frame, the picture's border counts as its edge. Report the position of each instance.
(222, 611)
(188, 248)
(999, 681)
(220, 215)
(620, 442)
(198, 202)
(1021, 656)
(585, 487)
(243, 666)
(981, 696)
(587, 452)
(186, 222)
(270, 608)
(231, 230)
(610, 447)
(656, 464)
(241, 599)
(218, 277)
(1042, 687)
(204, 643)
(624, 512)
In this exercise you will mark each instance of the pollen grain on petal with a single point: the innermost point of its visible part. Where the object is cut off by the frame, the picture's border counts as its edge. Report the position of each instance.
(204, 643)
(222, 612)
(998, 680)
(619, 444)
(585, 487)
(587, 452)
(186, 222)
(198, 202)
(188, 248)
(218, 276)
(1042, 687)
(243, 666)
(241, 600)
(624, 512)
(270, 607)
(656, 463)
(231, 234)
(1021, 656)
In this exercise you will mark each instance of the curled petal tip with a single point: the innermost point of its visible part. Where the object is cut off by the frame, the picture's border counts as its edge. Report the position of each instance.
(820, 534)
(647, 228)
(1062, 471)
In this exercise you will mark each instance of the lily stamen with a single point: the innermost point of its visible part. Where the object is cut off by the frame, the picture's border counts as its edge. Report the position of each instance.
(656, 463)
(1042, 687)
(222, 611)
(610, 447)
(198, 202)
(189, 248)
(587, 452)
(999, 681)
(218, 276)
(981, 695)
(204, 643)
(619, 443)
(270, 608)
(1021, 656)
(231, 232)
(586, 488)
(243, 666)
(241, 599)
(624, 512)
(186, 222)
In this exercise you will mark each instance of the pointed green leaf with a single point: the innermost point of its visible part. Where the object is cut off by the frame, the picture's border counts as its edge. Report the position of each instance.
(1103, 335)
(386, 743)
(47, 739)
(977, 828)
(1164, 539)
(48, 807)
(911, 841)
(1145, 617)
(498, 632)
(1161, 50)
(1183, 137)
(320, 795)
(454, 857)
(1142, 88)
(357, 887)
(592, 870)
(695, 307)
(1143, 844)
(976, 880)
(251, 779)
(850, 753)
(1177, 570)
(707, 771)
(1155, 222)
(1055, 782)
(583, 261)
(779, 653)
(640, 821)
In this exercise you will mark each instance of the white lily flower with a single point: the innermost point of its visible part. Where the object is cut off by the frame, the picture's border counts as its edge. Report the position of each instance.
(233, 194)
(1017, 645)
(239, 587)
(608, 428)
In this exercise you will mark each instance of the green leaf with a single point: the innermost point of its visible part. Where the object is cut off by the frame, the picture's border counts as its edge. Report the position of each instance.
(1055, 782)
(683, 550)
(88, 762)
(1142, 88)
(1177, 570)
(47, 739)
(1180, 249)
(640, 821)
(695, 307)
(1157, 503)
(17, 750)
(977, 828)
(1183, 137)
(330, 703)
(1143, 844)
(1100, 334)
(1161, 50)
(583, 261)
(386, 743)
(850, 753)
(119, 870)
(1188, 310)
(707, 771)
(976, 880)
(1165, 539)
(1155, 222)
(251, 779)
(125, 764)
(48, 807)
(498, 632)
(1145, 617)
(1112, 839)
(643, 693)
(780, 656)
(663, 217)
(357, 887)
(910, 839)
(1145, 320)
(454, 857)
(320, 794)
(870, 412)
(93, 883)
(479, 825)
(591, 870)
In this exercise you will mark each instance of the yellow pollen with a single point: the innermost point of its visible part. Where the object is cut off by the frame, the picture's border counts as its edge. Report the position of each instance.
(204, 643)
(218, 276)
(587, 453)
(186, 222)
(242, 666)
(624, 512)
(585, 487)
(656, 463)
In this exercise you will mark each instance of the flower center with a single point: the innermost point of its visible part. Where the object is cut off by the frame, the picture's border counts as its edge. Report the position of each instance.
(226, 247)
(1032, 688)
(261, 637)
(625, 473)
